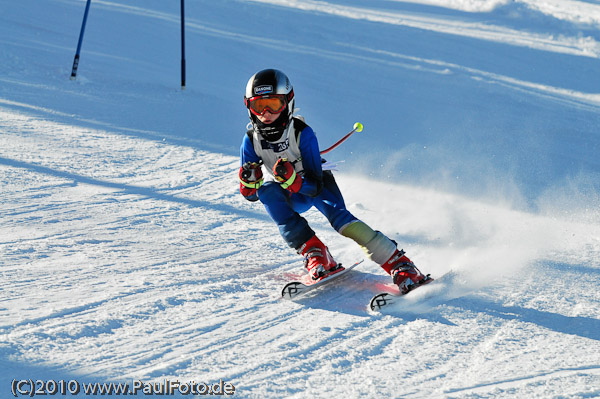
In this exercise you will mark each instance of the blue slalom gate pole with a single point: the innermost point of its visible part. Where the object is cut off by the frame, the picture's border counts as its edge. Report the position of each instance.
(182, 46)
(76, 60)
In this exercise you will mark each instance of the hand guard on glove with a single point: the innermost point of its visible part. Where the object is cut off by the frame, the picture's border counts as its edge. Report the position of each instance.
(251, 178)
(286, 175)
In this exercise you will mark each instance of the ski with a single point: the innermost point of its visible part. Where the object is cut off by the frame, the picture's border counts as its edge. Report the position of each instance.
(385, 298)
(294, 289)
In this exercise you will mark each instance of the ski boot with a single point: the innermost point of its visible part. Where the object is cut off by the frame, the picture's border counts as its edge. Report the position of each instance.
(317, 259)
(404, 273)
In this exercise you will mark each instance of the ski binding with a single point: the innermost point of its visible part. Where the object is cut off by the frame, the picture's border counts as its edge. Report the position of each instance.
(385, 298)
(295, 289)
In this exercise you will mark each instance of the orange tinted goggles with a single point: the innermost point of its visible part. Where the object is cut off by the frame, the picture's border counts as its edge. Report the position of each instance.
(274, 103)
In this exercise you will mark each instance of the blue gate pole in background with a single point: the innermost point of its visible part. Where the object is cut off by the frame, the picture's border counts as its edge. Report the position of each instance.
(182, 46)
(76, 60)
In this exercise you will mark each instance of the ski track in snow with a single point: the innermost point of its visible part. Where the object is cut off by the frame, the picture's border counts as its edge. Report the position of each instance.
(587, 46)
(128, 253)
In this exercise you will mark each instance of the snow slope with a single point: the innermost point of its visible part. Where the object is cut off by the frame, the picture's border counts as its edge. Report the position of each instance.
(127, 253)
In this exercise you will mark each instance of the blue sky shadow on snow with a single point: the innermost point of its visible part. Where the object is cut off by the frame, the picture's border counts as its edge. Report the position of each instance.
(137, 190)
(585, 327)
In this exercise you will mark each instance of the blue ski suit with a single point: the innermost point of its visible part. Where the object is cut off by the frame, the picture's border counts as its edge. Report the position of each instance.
(300, 146)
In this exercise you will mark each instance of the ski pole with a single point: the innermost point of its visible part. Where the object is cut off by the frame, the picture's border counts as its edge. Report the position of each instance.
(358, 127)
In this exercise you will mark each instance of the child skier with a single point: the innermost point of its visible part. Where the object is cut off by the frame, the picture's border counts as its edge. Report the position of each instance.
(294, 181)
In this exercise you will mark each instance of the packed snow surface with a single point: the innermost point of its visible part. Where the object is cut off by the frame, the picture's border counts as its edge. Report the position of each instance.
(127, 254)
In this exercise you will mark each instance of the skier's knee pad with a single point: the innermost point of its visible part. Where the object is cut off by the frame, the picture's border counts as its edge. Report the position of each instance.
(358, 231)
(375, 244)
